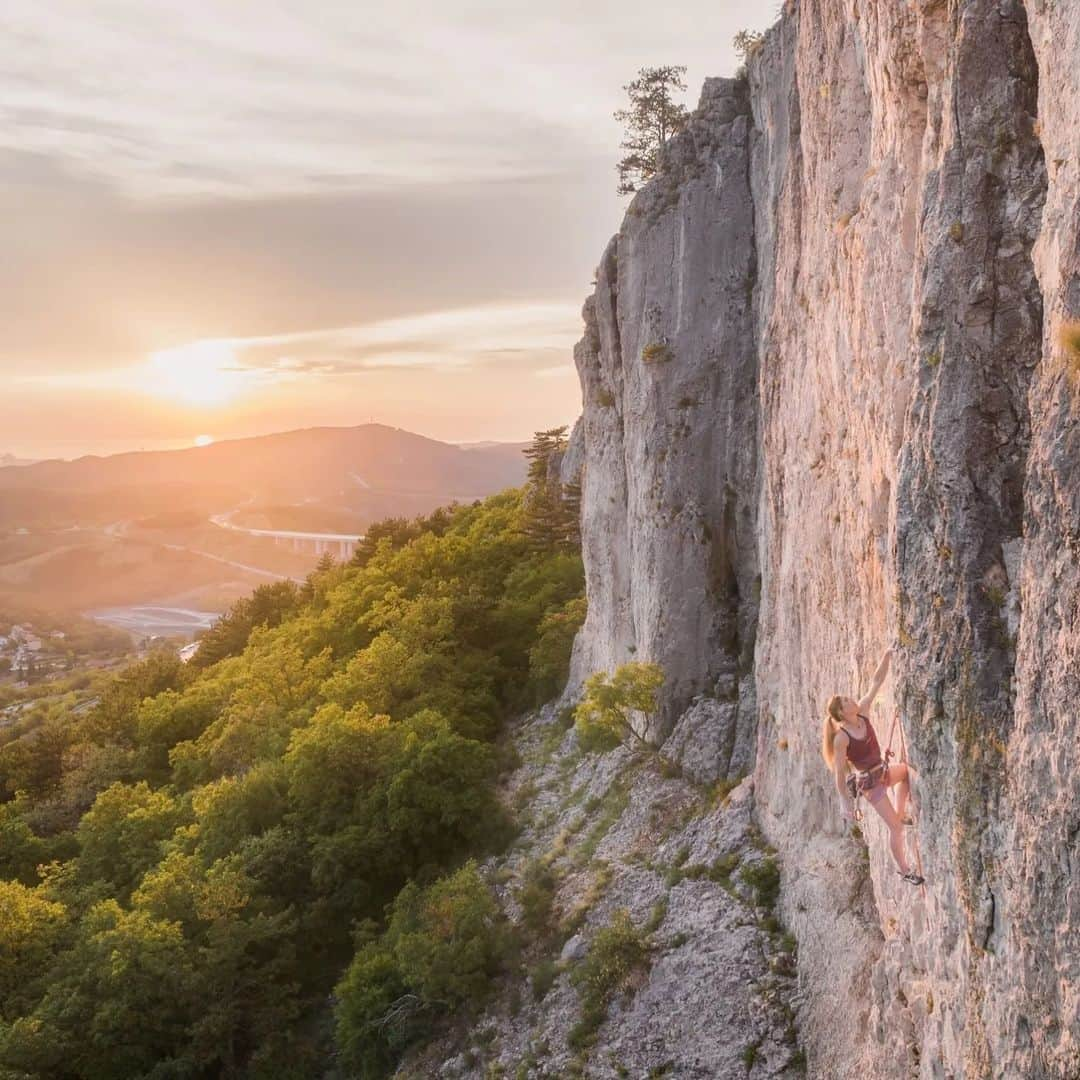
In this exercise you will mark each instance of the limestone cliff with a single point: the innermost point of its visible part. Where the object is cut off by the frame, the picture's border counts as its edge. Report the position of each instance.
(826, 412)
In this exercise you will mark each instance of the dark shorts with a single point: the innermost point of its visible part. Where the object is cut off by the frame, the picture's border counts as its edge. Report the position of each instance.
(876, 792)
(871, 794)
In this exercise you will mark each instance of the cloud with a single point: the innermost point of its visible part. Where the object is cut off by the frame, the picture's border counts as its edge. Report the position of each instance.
(459, 339)
(523, 337)
(250, 98)
(329, 185)
(93, 280)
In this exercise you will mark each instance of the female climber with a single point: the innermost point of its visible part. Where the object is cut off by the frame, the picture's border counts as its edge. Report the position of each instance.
(849, 744)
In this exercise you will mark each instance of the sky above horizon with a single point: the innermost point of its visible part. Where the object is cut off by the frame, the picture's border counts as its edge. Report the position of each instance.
(230, 219)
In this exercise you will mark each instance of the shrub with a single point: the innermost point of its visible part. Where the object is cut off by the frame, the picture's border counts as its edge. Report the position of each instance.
(747, 43)
(1069, 339)
(542, 978)
(447, 938)
(617, 952)
(440, 950)
(537, 895)
(603, 717)
(764, 878)
(657, 352)
(376, 1018)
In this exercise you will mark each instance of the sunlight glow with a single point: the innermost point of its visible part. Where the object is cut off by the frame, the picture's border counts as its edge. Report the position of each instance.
(203, 373)
(204, 440)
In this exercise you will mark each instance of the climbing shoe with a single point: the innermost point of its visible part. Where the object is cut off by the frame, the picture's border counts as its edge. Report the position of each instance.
(912, 877)
(908, 821)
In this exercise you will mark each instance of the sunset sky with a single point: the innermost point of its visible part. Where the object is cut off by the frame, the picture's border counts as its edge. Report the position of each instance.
(233, 218)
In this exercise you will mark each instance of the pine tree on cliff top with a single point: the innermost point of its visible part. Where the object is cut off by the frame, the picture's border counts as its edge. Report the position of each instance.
(652, 118)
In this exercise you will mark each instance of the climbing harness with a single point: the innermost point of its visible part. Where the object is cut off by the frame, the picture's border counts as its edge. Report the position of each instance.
(860, 782)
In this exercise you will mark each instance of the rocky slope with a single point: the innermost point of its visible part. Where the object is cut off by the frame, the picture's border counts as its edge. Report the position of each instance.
(713, 993)
(826, 412)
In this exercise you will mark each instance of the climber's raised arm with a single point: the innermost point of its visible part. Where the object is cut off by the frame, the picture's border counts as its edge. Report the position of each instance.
(879, 678)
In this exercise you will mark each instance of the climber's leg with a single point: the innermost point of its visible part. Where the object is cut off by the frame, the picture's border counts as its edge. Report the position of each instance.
(878, 798)
(899, 775)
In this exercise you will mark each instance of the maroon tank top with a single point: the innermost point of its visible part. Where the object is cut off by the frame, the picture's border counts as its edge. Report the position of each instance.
(864, 753)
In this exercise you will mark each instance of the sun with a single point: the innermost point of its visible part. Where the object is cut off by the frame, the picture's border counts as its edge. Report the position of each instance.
(204, 373)
(204, 440)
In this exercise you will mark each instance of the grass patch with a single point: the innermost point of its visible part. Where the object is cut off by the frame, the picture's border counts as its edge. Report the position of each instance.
(669, 769)
(656, 917)
(719, 871)
(575, 920)
(611, 808)
(750, 1054)
(1069, 340)
(722, 789)
(617, 953)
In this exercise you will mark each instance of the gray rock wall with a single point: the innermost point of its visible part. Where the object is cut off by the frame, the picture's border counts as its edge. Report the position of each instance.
(669, 377)
(860, 263)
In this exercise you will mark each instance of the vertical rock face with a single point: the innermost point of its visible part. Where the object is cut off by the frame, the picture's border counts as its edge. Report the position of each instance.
(827, 413)
(669, 375)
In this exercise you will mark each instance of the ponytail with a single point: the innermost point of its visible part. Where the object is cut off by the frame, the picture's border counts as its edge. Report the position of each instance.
(834, 714)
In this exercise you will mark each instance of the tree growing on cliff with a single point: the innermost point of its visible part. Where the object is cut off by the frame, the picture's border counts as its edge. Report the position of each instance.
(746, 44)
(652, 118)
(552, 510)
(605, 715)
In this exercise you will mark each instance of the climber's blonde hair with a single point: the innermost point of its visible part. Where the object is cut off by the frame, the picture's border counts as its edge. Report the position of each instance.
(834, 714)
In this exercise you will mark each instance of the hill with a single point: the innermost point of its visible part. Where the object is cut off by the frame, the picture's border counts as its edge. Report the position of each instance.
(371, 470)
(149, 527)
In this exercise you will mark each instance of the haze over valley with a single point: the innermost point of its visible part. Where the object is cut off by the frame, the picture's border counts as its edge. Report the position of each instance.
(157, 541)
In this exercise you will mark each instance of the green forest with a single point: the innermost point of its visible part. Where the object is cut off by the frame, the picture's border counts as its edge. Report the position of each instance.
(263, 864)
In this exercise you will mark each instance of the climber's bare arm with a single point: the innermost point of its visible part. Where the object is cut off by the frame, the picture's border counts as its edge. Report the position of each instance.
(879, 679)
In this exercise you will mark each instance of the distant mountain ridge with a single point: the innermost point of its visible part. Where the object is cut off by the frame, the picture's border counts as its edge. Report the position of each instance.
(302, 463)
(146, 525)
